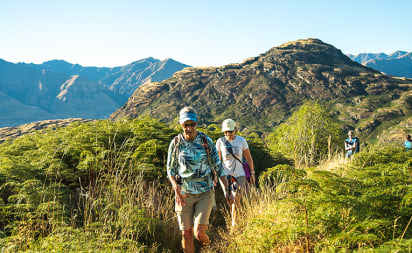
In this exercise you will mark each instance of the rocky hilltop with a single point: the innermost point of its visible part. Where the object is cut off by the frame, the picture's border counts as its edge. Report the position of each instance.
(263, 91)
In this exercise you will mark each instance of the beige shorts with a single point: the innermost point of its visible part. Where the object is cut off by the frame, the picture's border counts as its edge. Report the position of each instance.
(196, 210)
(242, 182)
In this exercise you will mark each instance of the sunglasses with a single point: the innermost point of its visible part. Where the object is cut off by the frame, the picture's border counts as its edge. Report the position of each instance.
(229, 131)
(189, 125)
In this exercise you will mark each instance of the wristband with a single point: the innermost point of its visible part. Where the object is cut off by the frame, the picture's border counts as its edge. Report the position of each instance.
(252, 172)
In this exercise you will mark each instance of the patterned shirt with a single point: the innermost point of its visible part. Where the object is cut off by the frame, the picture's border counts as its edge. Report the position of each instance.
(191, 163)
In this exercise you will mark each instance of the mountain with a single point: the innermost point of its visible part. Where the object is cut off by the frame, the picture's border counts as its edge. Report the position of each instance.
(364, 57)
(60, 90)
(398, 63)
(122, 81)
(32, 95)
(263, 91)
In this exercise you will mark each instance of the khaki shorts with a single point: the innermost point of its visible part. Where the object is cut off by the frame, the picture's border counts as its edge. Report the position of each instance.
(196, 210)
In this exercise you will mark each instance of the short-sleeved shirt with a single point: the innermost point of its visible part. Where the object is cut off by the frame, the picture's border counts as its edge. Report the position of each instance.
(191, 163)
(232, 166)
(353, 141)
(408, 145)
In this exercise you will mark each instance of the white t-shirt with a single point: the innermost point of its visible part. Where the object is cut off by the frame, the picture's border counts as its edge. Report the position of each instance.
(230, 164)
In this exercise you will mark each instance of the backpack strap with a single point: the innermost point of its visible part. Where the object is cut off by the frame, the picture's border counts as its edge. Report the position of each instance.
(228, 147)
(205, 145)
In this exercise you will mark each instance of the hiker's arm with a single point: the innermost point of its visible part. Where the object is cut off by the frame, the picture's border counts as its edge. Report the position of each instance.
(249, 160)
(347, 146)
(171, 174)
(178, 191)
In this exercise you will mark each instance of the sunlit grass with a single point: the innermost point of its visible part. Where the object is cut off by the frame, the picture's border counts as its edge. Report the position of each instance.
(120, 203)
(275, 221)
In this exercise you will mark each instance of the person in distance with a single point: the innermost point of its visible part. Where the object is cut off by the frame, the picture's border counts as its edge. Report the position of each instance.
(408, 142)
(351, 144)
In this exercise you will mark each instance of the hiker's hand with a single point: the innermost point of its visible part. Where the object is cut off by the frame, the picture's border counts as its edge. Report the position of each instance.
(252, 179)
(228, 198)
(215, 181)
(180, 200)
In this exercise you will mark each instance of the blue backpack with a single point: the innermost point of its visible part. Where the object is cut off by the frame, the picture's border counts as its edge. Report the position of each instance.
(357, 146)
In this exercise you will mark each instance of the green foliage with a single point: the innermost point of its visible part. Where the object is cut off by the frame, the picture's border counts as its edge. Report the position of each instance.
(262, 157)
(102, 186)
(279, 174)
(84, 175)
(307, 135)
(366, 208)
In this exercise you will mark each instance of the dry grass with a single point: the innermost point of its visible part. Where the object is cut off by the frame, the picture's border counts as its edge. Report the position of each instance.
(267, 223)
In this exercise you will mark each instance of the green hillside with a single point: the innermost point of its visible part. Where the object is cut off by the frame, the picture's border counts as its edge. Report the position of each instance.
(101, 186)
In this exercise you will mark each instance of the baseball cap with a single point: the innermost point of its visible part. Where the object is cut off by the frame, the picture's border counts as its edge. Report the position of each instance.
(228, 125)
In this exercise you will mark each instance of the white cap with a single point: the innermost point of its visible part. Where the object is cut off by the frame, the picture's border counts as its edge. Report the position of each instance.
(228, 125)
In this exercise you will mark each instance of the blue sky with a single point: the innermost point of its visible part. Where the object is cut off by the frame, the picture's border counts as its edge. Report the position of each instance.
(197, 33)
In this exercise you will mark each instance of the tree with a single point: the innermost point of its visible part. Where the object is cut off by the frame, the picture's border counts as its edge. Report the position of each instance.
(307, 135)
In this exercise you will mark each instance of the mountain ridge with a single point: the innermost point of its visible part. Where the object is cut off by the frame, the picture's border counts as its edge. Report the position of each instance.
(262, 91)
(399, 63)
(58, 89)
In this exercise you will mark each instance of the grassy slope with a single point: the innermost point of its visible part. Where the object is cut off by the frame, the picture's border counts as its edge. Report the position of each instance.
(338, 206)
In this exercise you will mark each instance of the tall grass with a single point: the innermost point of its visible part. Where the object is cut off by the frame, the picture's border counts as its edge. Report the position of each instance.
(125, 211)
(341, 205)
(118, 210)
(333, 208)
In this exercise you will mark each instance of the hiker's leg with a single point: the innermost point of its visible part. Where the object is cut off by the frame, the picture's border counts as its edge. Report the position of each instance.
(203, 209)
(185, 218)
(234, 207)
(200, 234)
(241, 186)
(187, 241)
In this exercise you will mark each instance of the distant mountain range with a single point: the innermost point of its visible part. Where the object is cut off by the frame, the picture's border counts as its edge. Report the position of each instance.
(259, 93)
(263, 91)
(398, 63)
(59, 90)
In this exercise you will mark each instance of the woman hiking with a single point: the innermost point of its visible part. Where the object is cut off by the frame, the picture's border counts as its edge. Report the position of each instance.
(231, 149)
(192, 159)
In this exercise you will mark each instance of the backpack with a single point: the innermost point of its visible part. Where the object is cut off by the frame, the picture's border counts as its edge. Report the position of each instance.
(357, 146)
